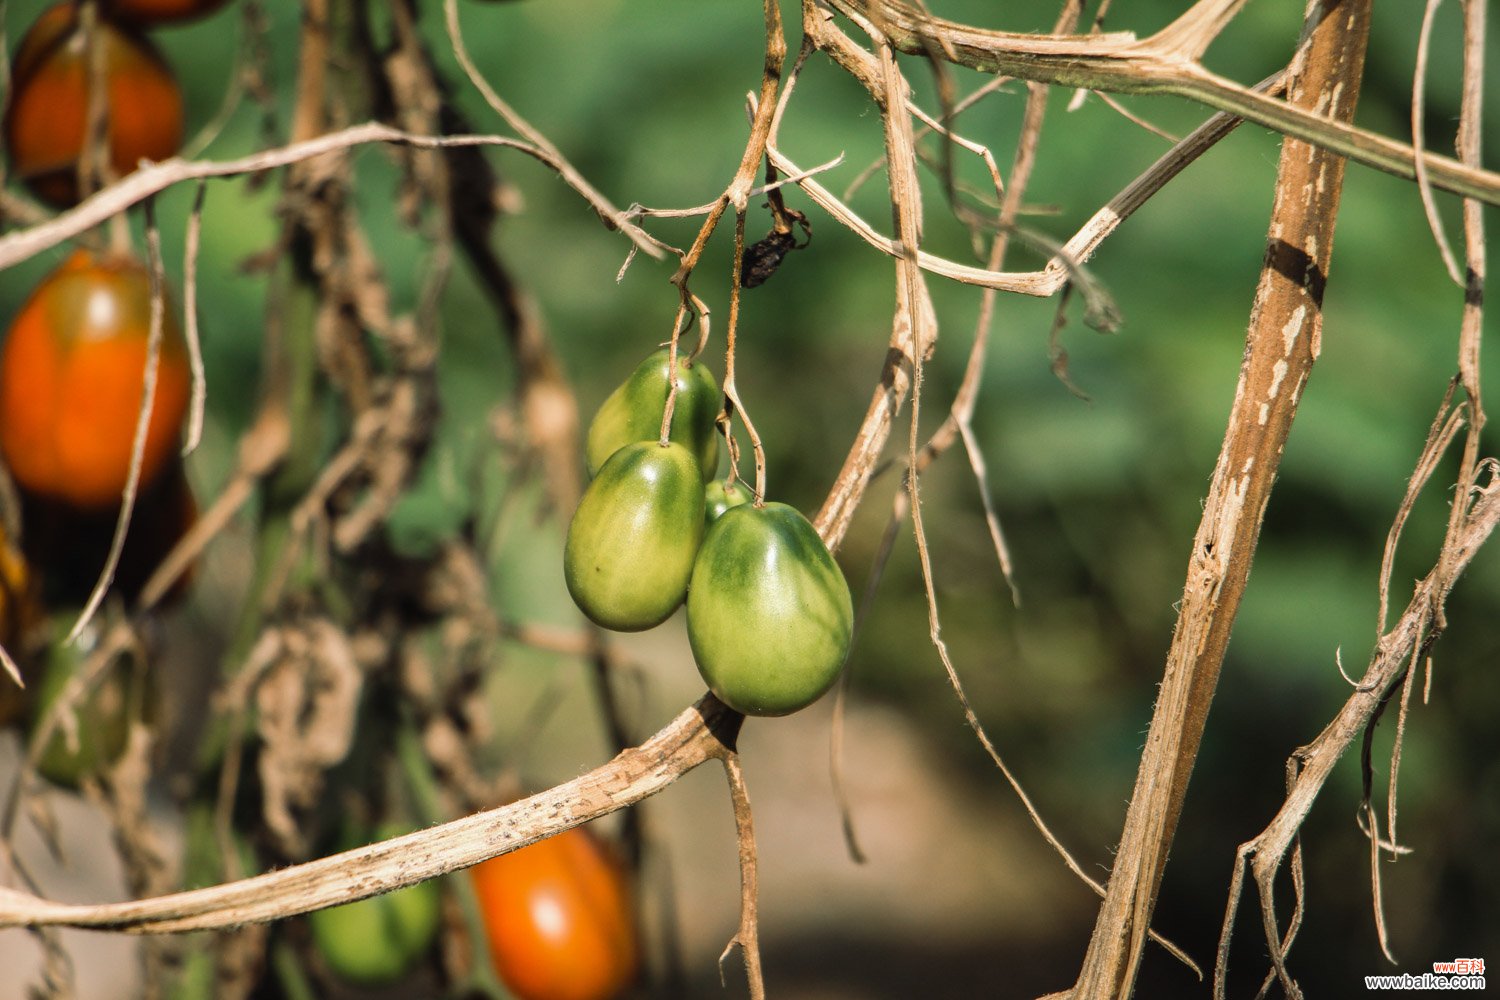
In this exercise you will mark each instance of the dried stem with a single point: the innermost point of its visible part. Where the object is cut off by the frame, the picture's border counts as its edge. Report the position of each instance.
(1282, 345)
(747, 935)
(157, 177)
(703, 732)
(1164, 63)
(607, 211)
(142, 424)
(1311, 766)
(190, 321)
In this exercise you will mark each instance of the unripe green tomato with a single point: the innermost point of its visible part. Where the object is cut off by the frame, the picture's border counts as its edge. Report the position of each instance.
(633, 413)
(769, 614)
(630, 548)
(103, 717)
(378, 941)
(720, 495)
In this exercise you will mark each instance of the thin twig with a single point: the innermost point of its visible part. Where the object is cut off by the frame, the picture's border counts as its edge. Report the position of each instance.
(550, 153)
(190, 321)
(142, 423)
(747, 934)
(154, 178)
(1418, 138)
(1161, 64)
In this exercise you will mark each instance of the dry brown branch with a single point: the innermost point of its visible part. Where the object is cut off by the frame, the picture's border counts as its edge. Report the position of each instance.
(262, 448)
(700, 733)
(1445, 428)
(153, 178)
(190, 321)
(1164, 63)
(250, 50)
(1282, 345)
(1310, 766)
(1065, 262)
(875, 428)
(747, 934)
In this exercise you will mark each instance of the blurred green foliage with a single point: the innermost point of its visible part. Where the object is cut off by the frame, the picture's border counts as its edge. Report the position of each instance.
(1099, 498)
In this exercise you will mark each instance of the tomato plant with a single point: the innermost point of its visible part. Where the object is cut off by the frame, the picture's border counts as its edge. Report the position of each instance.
(156, 12)
(769, 613)
(630, 546)
(634, 410)
(46, 124)
(559, 919)
(71, 380)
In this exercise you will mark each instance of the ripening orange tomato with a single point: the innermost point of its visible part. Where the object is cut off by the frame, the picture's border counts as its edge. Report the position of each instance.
(47, 120)
(560, 920)
(71, 379)
(157, 12)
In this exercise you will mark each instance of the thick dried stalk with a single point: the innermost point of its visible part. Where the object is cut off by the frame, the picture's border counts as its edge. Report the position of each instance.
(1283, 342)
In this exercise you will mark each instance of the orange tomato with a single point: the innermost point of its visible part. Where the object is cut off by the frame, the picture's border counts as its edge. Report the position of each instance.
(559, 918)
(155, 12)
(71, 378)
(47, 120)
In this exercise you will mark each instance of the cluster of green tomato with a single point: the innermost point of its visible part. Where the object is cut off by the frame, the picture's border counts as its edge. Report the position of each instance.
(769, 615)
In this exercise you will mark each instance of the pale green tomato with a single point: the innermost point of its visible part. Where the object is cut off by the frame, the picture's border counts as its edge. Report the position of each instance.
(631, 543)
(769, 614)
(377, 941)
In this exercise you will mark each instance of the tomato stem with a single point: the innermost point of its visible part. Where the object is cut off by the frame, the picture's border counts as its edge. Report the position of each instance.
(731, 390)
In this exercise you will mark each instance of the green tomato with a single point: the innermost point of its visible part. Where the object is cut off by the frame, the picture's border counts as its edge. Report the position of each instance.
(633, 413)
(630, 548)
(103, 718)
(769, 614)
(720, 495)
(378, 941)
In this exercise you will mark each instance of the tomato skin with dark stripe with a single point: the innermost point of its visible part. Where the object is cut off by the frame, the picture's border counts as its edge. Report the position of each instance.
(769, 614)
(634, 410)
(630, 546)
(71, 378)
